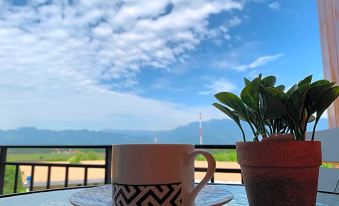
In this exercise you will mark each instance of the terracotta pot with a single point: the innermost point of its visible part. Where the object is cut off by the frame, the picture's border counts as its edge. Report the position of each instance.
(280, 172)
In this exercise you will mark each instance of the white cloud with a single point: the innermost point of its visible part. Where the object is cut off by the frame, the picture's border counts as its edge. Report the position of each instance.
(165, 84)
(274, 6)
(63, 64)
(232, 57)
(221, 33)
(260, 61)
(81, 105)
(218, 85)
(113, 40)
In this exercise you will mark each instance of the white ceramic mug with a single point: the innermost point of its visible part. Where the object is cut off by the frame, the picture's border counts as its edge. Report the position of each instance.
(157, 174)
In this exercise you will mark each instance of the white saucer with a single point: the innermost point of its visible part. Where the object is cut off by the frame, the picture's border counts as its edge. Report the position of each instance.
(210, 195)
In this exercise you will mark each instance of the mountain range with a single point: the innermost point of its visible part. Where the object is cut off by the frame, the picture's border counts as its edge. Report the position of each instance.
(214, 132)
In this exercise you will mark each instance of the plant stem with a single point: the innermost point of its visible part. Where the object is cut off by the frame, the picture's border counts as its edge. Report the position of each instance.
(314, 126)
(243, 134)
(275, 126)
(305, 126)
(271, 129)
(252, 128)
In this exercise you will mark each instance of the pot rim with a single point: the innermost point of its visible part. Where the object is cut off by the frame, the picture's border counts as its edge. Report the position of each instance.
(279, 154)
(281, 142)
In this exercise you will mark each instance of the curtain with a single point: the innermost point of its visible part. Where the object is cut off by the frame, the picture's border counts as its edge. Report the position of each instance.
(329, 32)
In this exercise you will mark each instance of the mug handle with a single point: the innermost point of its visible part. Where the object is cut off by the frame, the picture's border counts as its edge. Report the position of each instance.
(209, 174)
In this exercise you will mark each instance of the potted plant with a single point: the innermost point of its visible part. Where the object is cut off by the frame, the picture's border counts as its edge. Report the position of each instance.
(279, 166)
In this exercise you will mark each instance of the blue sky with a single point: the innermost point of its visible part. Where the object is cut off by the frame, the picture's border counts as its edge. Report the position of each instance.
(95, 64)
(287, 36)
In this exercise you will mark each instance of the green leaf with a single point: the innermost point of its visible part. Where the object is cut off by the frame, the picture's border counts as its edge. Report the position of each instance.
(233, 101)
(292, 89)
(322, 81)
(307, 80)
(295, 103)
(326, 100)
(250, 94)
(268, 81)
(262, 104)
(280, 87)
(273, 99)
(315, 94)
(317, 90)
(311, 119)
(230, 114)
(246, 81)
(259, 77)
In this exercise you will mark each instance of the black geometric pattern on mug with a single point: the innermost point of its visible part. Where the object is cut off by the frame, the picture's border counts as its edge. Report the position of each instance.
(147, 195)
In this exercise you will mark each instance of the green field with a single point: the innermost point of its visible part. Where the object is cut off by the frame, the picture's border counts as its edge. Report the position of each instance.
(221, 155)
(53, 157)
(9, 181)
(74, 158)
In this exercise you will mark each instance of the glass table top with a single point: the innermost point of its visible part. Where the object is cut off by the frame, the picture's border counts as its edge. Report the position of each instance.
(61, 198)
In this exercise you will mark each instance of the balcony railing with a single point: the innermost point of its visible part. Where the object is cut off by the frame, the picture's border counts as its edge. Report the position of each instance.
(107, 166)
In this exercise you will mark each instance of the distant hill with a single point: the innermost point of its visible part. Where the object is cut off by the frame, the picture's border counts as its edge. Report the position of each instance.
(214, 132)
(30, 135)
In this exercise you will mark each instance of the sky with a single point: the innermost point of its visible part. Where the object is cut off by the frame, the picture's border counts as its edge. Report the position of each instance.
(144, 64)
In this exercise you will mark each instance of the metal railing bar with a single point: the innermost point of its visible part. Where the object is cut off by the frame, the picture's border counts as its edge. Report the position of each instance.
(218, 170)
(31, 188)
(3, 157)
(85, 176)
(16, 178)
(48, 176)
(55, 164)
(108, 163)
(107, 166)
(66, 176)
(57, 146)
(206, 146)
